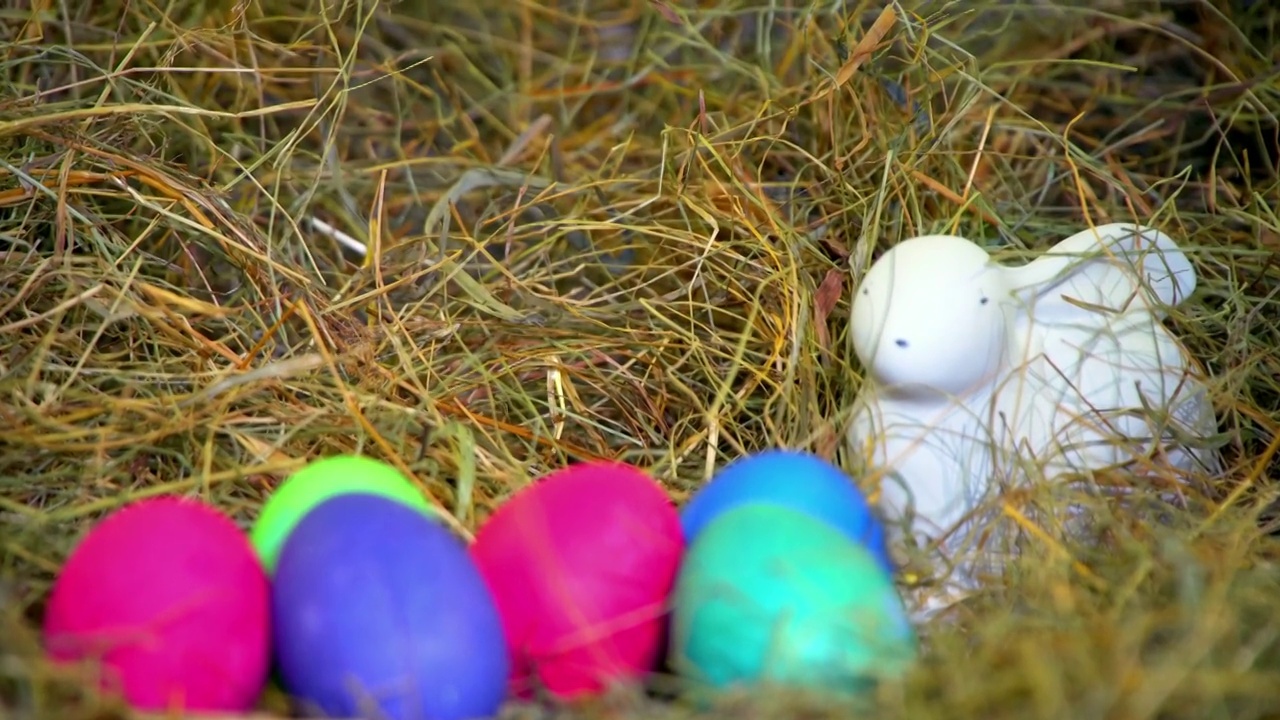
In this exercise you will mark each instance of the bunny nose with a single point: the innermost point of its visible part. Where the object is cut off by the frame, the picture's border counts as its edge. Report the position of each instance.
(900, 343)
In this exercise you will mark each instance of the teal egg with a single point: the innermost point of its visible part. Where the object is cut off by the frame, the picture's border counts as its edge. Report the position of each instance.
(770, 595)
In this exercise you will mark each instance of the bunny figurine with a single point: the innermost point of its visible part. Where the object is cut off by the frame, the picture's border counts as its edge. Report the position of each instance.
(980, 376)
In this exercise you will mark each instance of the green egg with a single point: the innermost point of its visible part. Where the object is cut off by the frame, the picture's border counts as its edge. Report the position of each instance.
(768, 595)
(319, 481)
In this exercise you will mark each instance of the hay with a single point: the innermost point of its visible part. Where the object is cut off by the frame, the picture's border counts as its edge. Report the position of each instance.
(624, 232)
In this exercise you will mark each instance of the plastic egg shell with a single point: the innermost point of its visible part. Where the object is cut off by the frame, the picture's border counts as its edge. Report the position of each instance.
(795, 479)
(768, 594)
(169, 595)
(581, 564)
(378, 606)
(318, 481)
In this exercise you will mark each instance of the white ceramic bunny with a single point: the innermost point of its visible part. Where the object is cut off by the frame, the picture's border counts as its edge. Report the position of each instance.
(981, 376)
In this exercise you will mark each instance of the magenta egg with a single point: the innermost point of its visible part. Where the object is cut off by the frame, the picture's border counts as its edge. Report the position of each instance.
(581, 564)
(167, 598)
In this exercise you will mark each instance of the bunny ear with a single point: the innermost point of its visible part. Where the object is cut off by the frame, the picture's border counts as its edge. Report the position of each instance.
(1106, 267)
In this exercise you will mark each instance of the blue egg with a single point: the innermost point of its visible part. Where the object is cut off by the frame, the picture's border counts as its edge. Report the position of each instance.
(379, 611)
(794, 479)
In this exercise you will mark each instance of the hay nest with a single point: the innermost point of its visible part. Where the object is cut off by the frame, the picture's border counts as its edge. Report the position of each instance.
(482, 239)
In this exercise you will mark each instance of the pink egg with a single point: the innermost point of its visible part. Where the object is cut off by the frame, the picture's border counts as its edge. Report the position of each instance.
(168, 596)
(581, 565)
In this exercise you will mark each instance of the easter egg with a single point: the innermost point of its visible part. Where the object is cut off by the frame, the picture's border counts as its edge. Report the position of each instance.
(581, 564)
(167, 595)
(769, 595)
(795, 479)
(379, 611)
(319, 481)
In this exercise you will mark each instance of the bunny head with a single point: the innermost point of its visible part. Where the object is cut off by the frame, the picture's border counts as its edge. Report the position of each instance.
(928, 318)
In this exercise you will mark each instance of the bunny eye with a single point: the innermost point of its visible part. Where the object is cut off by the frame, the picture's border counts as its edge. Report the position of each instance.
(984, 301)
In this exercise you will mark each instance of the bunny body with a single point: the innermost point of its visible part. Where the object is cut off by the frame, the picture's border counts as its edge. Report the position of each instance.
(1079, 398)
(981, 376)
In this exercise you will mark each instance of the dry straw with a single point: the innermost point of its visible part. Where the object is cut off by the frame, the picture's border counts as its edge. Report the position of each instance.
(481, 239)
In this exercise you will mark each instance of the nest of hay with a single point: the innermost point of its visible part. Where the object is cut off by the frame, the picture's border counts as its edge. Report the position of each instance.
(482, 239)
